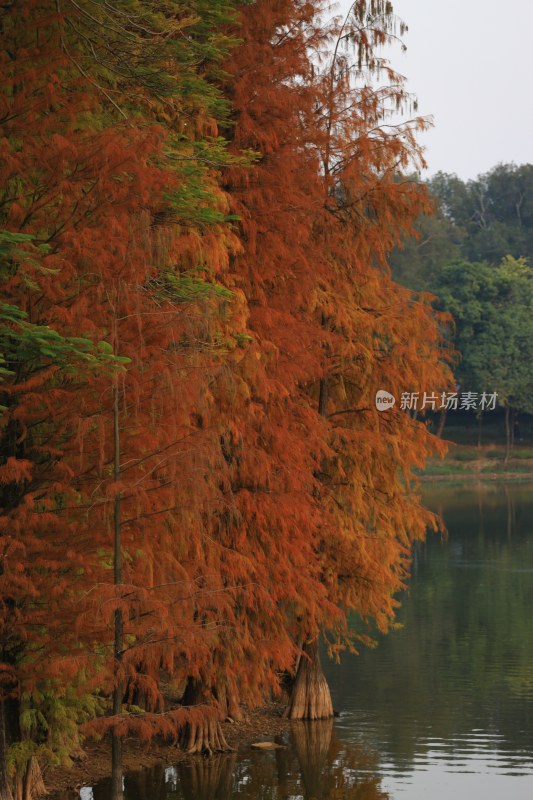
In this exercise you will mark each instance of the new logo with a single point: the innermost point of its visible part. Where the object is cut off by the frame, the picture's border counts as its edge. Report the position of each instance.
(384, 400)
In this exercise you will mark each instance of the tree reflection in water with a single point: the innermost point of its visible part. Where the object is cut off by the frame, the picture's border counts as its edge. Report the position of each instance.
(207, 778)
(313, 764)
(330, 768)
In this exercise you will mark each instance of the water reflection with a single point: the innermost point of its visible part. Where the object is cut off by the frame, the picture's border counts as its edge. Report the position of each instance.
(313, 764)
(330, 768)
(449, 698)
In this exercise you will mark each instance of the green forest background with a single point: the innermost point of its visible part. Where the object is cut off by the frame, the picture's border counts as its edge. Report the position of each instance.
(475, 254)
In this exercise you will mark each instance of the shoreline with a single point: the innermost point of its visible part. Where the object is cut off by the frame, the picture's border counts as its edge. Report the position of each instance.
(486, 463)
(64, 783)
(476, 476)
(267, 723)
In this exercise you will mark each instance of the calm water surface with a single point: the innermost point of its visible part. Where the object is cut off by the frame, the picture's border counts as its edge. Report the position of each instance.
(443, 708)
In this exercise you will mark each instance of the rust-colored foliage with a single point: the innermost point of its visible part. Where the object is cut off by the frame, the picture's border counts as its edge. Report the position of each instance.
(126, 265)
(197, 512)
(319, 213)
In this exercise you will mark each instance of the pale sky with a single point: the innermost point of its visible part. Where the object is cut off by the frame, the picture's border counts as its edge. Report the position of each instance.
(470, 62)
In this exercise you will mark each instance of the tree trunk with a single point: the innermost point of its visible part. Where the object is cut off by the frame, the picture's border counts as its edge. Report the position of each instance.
(286, 683)
(33, 785)
(234, 710)
(323, 397)
(479, 428)
(510, 513)
(507, 435)
(116, 743)
(138, 694)
(310, 697)
(204, 736)
(229, 702)
(5, 784)
(516, 428)
(117, 792)
(442, 421)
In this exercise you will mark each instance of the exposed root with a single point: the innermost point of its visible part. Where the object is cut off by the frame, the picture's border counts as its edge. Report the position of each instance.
(204, 738)
(203, 735)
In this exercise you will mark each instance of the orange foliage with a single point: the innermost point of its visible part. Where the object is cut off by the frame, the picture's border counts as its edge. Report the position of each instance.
(260, 494)
(319, 213)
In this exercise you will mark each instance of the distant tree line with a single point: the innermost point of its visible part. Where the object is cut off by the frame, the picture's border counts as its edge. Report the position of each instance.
(475, 254)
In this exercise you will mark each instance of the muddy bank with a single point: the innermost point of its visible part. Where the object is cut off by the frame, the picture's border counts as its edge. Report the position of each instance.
(63, 783)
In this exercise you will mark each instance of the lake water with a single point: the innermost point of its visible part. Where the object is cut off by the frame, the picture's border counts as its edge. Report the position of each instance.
(442, 708)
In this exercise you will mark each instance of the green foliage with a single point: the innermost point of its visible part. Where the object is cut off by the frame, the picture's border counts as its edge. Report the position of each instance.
(186, 287)
(493, 454)
(195, 203)
(21, 342)
(522, 453)
(420, 258)
(126, 48)
(484, 219)
(492, 309)
(465, 455)
(474, 254)
(39, 346)
(243, 339)
(50, 725)
(491, 215)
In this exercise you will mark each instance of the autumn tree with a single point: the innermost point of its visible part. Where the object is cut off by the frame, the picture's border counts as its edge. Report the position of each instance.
(371, 512)
(135, 235)
(320, 212)
(230, 487)
(32, 356)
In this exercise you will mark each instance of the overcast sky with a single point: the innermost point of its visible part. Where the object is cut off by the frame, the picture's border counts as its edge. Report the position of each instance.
(471, 64)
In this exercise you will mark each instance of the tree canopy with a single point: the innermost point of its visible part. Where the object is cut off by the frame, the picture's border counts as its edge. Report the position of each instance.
(199, 200)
